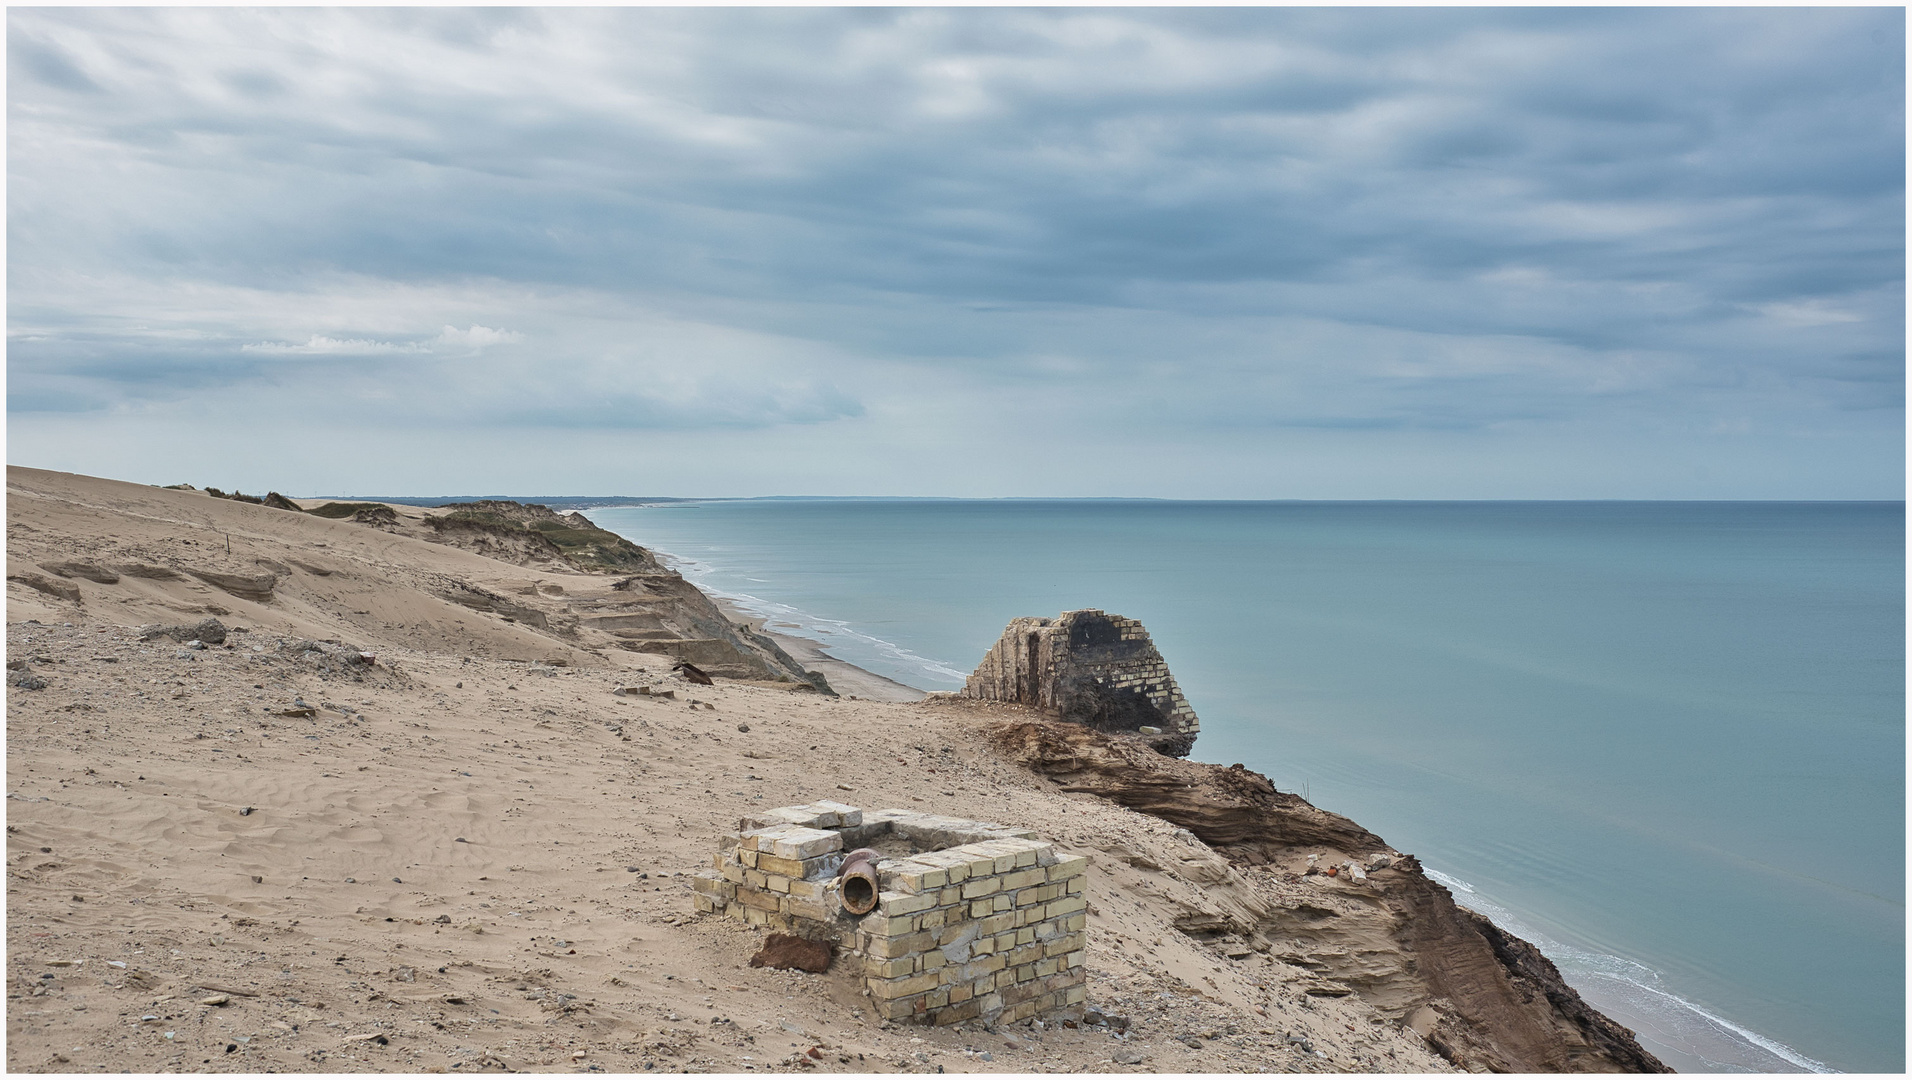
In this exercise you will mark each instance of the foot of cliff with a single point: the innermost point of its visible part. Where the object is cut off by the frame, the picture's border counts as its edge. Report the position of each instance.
(1349, 908)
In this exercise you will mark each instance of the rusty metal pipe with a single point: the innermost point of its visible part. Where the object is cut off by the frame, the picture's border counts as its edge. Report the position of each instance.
(857, 885)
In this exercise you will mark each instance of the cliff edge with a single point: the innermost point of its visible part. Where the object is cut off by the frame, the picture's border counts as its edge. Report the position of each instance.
(1384, 930)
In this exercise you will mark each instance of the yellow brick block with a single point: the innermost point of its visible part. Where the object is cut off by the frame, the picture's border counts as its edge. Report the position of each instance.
(777, 883)
(777, 864)
(760, 901)
(980, 887)
(890, 989)
(916, 881)
(887, 925)
(896, 903)
(1068, 905)
(1023, 878)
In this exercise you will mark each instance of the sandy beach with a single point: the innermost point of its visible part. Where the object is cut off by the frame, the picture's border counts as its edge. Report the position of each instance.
(845, 678)
(374, 829)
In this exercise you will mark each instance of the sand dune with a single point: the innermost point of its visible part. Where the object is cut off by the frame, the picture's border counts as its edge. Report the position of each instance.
(468, 857)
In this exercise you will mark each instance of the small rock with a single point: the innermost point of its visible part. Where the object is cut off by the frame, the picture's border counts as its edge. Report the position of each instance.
(443, 920)
(27, 680)
(216, 999)
(206, 632)
(1189, 1041)
(1127, 1057)
(793, 953)
(743, 727)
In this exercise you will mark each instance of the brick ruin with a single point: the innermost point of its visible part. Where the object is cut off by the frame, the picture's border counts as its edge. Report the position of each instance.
(1091, 668)
(969, 920)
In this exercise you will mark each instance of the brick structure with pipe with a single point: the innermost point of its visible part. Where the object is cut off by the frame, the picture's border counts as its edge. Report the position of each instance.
(969, 919)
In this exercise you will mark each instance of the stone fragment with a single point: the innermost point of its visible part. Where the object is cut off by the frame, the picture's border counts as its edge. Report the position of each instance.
(793, 953)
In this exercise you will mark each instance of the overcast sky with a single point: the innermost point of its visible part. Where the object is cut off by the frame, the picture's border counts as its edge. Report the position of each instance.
(1234, 253)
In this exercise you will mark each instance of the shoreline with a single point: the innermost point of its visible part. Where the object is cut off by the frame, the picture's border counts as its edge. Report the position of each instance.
(845, 678)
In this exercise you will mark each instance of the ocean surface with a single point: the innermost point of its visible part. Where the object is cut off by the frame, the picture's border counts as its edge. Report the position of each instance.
(1663, 741)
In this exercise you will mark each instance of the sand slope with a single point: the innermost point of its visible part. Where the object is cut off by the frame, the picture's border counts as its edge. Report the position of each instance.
(469, 859)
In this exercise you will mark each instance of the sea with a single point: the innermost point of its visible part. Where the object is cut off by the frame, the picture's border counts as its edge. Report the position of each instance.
(1663, 741)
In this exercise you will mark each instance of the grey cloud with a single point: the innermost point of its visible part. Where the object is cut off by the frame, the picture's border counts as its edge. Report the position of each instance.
(1701, 198)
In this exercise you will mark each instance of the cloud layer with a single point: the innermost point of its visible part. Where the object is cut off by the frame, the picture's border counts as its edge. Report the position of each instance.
(1310, 252)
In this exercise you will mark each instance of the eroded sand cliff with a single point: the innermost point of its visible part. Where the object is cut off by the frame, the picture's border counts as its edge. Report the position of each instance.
(382, 828)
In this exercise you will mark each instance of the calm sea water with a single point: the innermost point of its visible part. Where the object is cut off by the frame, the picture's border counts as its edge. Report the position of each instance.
(1663, 741)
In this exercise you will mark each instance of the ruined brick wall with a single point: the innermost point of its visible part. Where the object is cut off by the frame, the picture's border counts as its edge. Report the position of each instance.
(973, 920)
(1090, 668)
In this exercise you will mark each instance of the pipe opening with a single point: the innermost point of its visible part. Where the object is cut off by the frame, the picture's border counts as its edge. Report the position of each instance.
(858, 888)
